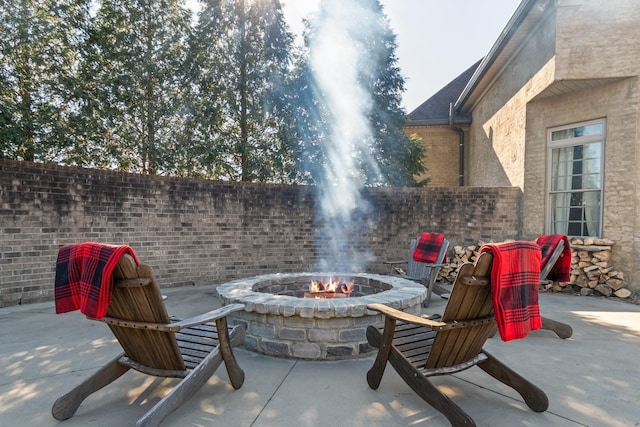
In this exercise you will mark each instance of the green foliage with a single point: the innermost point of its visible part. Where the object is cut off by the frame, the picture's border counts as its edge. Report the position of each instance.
(416, 157)
(240, 57)
(142, 86)
(38, 55)
(133, 90)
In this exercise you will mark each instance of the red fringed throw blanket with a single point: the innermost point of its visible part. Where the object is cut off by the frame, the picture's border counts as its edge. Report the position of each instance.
(428, 247)
(84, 277)
(515, 276)
(560, 272)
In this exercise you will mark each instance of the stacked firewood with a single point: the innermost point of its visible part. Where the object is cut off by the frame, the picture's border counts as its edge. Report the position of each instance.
(592, 270)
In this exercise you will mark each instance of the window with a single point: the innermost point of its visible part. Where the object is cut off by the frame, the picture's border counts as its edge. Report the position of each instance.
(575, 179)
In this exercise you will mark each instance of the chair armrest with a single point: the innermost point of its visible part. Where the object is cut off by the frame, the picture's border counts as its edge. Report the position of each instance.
(432, 272)
(402, 261)
(405, 317)
(207, 317)
(435, 325)
(174, 326)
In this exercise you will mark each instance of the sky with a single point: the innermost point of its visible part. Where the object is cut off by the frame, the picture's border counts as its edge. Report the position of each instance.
(437, 39)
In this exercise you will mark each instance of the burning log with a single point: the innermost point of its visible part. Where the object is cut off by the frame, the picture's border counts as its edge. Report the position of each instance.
(331, 289)
(325, 295)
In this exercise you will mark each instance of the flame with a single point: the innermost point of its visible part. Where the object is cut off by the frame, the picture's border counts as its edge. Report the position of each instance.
(332, 285)
(314, 286)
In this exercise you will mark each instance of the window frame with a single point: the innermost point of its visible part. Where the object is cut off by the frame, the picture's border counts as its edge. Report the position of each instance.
(573, 142)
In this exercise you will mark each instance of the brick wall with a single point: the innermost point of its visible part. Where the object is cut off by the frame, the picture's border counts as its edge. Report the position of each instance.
(618, 103)
(208, 232)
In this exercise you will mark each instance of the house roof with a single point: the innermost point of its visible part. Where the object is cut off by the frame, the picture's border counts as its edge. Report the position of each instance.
(435, 110)
(521, 23)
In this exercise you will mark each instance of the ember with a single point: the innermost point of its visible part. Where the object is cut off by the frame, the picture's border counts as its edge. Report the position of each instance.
(330, 289)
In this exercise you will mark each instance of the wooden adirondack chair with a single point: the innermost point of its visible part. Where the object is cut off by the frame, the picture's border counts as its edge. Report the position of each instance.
(422, 272)
(419, 348)
(563, 330)
(154, 344)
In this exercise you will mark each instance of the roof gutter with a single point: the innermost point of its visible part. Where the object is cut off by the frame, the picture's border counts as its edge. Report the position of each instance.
(460, 132)
(437, 122)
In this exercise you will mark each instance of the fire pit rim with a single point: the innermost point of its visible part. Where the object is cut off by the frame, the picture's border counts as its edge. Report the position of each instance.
(403, 293)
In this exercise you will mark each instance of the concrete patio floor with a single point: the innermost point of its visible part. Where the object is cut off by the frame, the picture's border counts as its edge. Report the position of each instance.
(592, 379)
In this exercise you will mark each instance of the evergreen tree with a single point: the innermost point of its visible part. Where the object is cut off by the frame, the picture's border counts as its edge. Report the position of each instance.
(240, 53)
(38, 62)
(349, 82)
(134, 86)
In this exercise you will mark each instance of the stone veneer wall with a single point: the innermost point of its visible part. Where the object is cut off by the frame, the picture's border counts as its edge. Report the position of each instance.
(193, 231)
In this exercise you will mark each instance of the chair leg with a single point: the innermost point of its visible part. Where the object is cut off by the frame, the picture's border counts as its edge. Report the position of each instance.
(236, 374)
(562, 330)
(433, 276)
(182, 391)
(427, 300)
(67, 405)
(533, 396)
(383, 343)
(199, 376)
(428, 392)
(418, 383)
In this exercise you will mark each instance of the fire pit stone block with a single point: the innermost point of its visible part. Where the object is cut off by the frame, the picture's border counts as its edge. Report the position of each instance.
(307, 351)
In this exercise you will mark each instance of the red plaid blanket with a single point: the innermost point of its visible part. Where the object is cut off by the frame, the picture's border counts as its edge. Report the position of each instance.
(515, 275)
(560, 272)
(428, 247)
(84, 277)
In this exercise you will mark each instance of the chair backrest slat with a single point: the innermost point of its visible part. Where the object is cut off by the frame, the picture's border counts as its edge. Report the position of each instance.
(151, 348)
(414, 268)
(466, 302)
(555, 255)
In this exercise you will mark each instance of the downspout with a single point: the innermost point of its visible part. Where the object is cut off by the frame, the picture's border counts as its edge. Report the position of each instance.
(460, 144)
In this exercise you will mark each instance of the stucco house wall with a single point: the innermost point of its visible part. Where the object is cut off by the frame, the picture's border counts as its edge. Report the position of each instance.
(498, 130)
(442, 158)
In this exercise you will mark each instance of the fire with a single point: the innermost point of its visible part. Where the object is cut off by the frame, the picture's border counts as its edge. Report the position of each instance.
(332, 286)
(314, 286)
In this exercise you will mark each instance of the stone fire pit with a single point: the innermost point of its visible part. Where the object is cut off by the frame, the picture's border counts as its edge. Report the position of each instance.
(279, 322)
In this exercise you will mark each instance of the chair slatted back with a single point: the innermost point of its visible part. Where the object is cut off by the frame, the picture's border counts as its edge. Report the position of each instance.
(421, 270)
(467, 302)
(555, 255)
(142, 303)
(414, 269)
